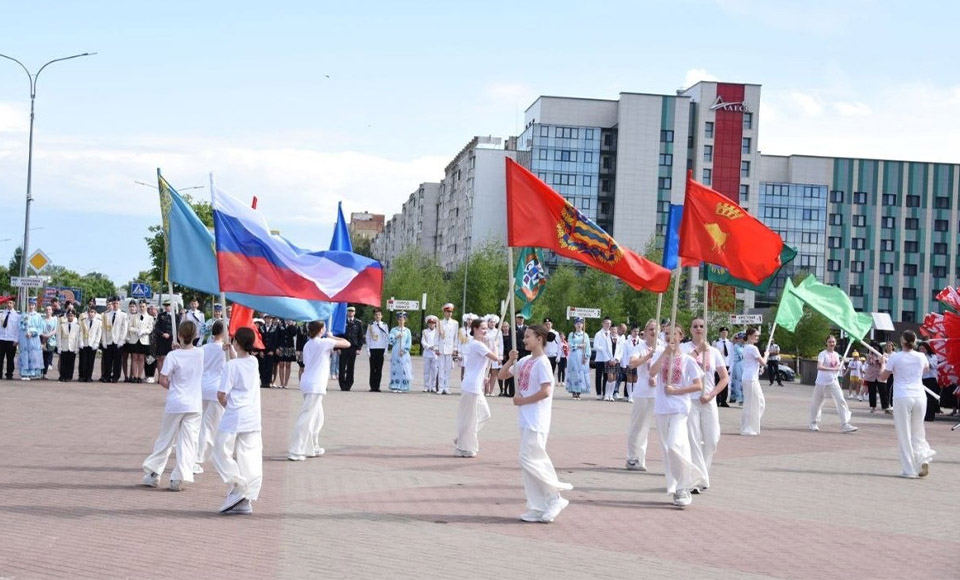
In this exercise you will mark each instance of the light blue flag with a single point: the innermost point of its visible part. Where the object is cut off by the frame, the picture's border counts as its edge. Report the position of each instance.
(192, 261)
(341, 241)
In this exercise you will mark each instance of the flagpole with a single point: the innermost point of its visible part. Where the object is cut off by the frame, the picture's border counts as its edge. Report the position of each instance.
(173, 305)
(512, 296)
(770, 340)
(659, 307)
(706, 300)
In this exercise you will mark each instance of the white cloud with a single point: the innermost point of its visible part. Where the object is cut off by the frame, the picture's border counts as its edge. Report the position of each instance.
(696, 75)
(805, 104)
(852, 109)
(14, 118)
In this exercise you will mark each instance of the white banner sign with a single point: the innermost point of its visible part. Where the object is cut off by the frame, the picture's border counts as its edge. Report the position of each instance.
(574, 312)
(741, 319)
(27, 282)
(402, 305)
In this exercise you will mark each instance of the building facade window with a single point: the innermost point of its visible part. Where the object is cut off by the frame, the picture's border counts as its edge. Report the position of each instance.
(708, 130)
(707, 176)
(665, 183)
(909, 269)
(708, 153)
(810, 238)
(744, 192)
(859, 197)
(744, 169)
(860, 221)
(666, 136)
(858, 243)
(833, 265)
(885, 246)
(666, 159)
(889, 199)
(588, 134)
(907, 316)
(834, 242)
(856, 266)
(808, 261)
(909, 293)
(886, 292)
(939, 271)
(544, 130)
(941, 225)
(913, 201)
(888, 223)
(940, 248)
(941, 202)
(910, 247)
(745, 146)
(886, 267)
(588, 156)
(836, 219)
(748, 120)
(912, 223)
(836, 196)
(856, 290)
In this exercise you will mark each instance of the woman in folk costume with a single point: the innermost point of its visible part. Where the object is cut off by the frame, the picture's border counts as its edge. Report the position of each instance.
(48, 338)
(578, 361)
(431, 355)
(678, 375)
(401, 369)
(494, 342)
(703, 423)
(31, 350)
(753, 401)
(644, 394)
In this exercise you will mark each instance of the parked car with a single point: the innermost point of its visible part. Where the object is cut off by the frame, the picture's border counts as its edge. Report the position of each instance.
(786, 373)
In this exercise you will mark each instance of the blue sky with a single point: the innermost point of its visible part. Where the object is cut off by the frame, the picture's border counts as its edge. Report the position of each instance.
(307, 103)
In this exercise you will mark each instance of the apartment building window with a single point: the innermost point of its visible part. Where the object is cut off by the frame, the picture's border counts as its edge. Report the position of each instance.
(585, 203)
(886, 267)
(666, 136)
(708, 153)
(542, 176)
(544, 154)
(889, 199)
(808, 261)
(744, 169)
(810, 238)
(666, 159)
(858, 243)
(605, 185)
(912, 223)
(907, 316)
(567, 133)
(856, 290)
(860, 221)
(885, 245)
(588, 156)
(707, 176)
(663, 206)
(745, 146)
(588, 134)
(776, 212)
(859, 197)
(886, 292)
(608, 140)
(836, 219)
(939, 271)
(909, 293)
(605, 161)
(544, 130)
(941, 202)
(909, 269)
(888, 223)
(941, 225)
(856, 266)
(564, 155)
(836, 196)
(833, 265)
(748, 120)
(587, 180)
(664, 183)
(708, 130)
(744, 192)
(940, 248)
(913, 201)
(910, 247)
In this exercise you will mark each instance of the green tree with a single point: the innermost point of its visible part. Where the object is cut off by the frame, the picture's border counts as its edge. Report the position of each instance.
(14, 266)
(93, 284)
(5, 288)
(361, 245)
(410, 275)
(562, 290)
(486, 280)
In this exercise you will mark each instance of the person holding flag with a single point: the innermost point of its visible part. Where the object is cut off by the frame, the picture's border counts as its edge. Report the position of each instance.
(644, 393)
(829, 367)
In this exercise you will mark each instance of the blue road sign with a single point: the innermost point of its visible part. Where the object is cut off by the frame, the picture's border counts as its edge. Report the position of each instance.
(140, 290)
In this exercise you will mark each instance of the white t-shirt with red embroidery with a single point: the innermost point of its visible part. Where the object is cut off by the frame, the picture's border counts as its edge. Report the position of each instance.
(685, 371)
(531, 373)
(709, 361)
(827, 359)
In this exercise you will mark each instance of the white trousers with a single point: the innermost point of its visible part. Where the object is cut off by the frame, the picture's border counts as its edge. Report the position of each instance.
(539, 477)
(245, 472)
(431, 370)
(816, 403)
(677, 465)
(305, 439)
(908, 415)
(182, 430)
(753, 406)
(445, 363)
(473, 414)
(703, 428)
(641, 419)
(209, 425)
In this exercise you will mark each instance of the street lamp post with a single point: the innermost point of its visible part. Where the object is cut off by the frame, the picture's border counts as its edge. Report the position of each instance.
(26, 220)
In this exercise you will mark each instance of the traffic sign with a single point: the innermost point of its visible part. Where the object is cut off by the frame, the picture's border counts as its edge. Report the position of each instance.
(140, 290)
(27, 281)
(577, 312)
(741, 319)
(405, 305)
(38, 261)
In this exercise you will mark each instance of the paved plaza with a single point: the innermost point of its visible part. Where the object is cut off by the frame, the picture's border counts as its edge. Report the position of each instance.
(389, 499)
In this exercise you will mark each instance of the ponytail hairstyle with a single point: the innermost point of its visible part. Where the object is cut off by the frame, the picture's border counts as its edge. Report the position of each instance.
(909, 340)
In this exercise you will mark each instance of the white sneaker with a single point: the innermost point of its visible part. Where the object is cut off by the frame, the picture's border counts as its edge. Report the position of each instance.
(197, 469)
(531, 516)
(682, 498)
(151, 479)
(318, 452)
(233, 498)
(860, 398)
(151, 380)
(629, 399)
(242, 508)
(463, 453)
(848, 428)
(814, 427)
(175, 485)
(554, 509)
(295, 457)
(634, 465)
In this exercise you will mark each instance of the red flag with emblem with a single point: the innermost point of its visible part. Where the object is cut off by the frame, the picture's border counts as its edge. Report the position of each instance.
(717, 231)
(539, 217)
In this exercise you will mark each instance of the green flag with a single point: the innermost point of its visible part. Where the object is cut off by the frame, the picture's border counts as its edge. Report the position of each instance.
(790, 310)
(834, 304)
(530, 277)
(720, 275)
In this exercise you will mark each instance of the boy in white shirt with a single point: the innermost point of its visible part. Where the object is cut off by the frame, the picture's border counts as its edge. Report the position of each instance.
(474, 411)
(239, 432)
(215, 356)
(534, 396)
(305, 440)
(181, 375)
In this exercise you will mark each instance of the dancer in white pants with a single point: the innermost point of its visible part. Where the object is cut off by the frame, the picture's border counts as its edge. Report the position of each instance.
(678, 375)
(703, 423)
(305, 440)
(431, 355)
(534, 397)
(181, 375)
(215, 356)
(644, 392)
(474, 411)
(238, 451)
(829, 367)
(909, 406)
(753, 401)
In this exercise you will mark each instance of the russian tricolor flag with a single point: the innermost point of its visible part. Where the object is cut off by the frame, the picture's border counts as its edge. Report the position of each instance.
(254, 261)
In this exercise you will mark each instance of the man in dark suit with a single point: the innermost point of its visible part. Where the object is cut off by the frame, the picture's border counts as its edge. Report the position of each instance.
(353, 333)
(270, 334)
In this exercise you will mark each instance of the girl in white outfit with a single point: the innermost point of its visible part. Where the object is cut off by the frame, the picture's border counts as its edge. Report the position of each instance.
(829, 367)
(703, 424)
(644, 392)
(678, 375)
(305, 440)
(474, 412)
(215, 356)
(909, 406)
(753, 401)
(534, 398)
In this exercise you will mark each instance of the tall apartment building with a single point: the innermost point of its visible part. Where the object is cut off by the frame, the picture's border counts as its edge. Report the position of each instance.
(414, 227)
